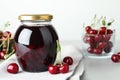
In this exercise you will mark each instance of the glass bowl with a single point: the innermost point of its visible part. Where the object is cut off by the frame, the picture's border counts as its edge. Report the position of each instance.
(98, 45)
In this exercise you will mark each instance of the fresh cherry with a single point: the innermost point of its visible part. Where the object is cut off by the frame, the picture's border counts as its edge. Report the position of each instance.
(106, 37)
(97, 51)
(102, 45)
(93, 45)
(93, 31)
(68, 60)
(64, 68)
(115, 58)
(53, 69)
(13, 68)
(109, 31)
(110, 44)
(98, 38)
(90, 49)
(102, 30)
(6, 34)
(118, 54)
(108, 47)
(88, 28)
(2, 54)
(89, 39)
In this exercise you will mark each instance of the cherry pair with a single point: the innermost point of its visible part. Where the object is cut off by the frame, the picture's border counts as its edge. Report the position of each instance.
(61, 68)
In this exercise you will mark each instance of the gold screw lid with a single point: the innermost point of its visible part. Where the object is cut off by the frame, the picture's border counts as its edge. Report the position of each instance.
(35, 17)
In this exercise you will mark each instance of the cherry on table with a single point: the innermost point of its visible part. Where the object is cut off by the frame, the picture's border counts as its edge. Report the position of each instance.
(68, 60)
(53, 69)
(115, 58)
(13, 68)
(118, 54)
(64, 68)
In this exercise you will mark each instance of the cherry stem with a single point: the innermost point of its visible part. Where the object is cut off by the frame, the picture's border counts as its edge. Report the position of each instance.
(58, 56)
(8, 55)
(8, 43)
(3, 41)
(93, 21)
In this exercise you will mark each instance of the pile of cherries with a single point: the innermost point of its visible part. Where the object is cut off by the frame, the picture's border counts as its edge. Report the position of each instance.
(62, 67)
(4, 44)
(98, 40)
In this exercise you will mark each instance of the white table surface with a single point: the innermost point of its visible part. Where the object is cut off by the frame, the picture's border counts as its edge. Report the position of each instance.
(101, 69)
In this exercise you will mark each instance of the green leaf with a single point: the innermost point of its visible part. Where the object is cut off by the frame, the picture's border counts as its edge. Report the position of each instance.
(109, 23)
(103, 22)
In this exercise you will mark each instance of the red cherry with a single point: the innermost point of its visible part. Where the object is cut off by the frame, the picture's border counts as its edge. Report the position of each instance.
(2, 54)
(64, 68)
(88, 28)
(98, 38)
(68, 60)
(102, 45)
(115, 58)
(93, 45)
(6, 34)
(108, 47)
(102, 30)
(118, 54)
(90, 49)
(89, 39)
(97, 51)
(106, 37)
(93, 31)
(13, 68)
(109, 31)
(110, 44)
(53, 69)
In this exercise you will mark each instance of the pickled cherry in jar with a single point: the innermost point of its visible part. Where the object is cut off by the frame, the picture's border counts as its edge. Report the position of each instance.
(36, 42)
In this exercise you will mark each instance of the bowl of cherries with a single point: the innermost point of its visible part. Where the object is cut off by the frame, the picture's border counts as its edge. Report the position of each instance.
(98, 38)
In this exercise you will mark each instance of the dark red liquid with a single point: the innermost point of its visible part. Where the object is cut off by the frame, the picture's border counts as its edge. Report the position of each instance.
(36, 47)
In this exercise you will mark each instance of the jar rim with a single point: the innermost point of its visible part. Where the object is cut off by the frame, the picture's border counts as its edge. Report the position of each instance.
(35, 17)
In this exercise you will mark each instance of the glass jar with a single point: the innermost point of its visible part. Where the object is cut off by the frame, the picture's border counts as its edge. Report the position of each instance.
(36, 42)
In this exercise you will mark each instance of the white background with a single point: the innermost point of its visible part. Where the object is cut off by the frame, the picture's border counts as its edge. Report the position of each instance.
(69, 15)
